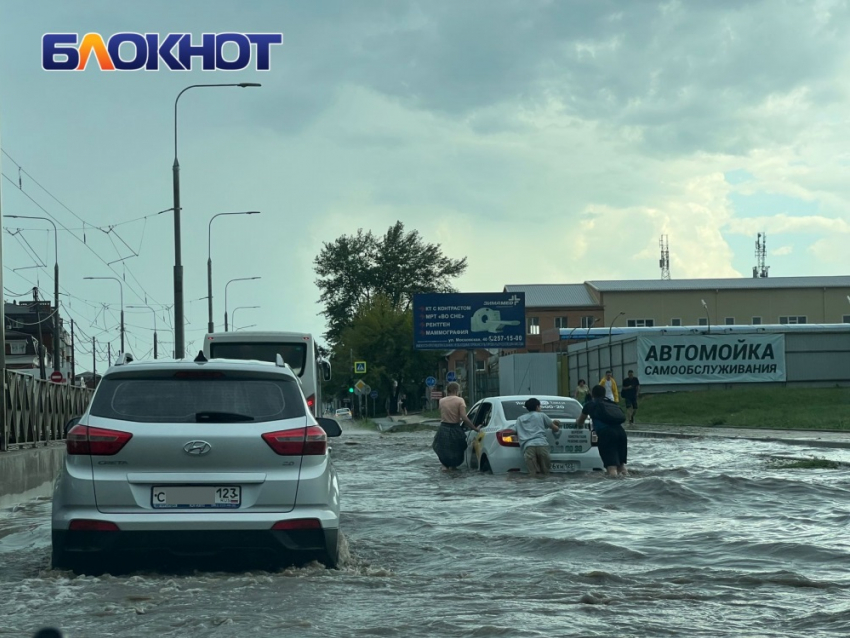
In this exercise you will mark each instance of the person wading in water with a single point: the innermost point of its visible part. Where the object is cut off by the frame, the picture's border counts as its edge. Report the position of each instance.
(450, 440)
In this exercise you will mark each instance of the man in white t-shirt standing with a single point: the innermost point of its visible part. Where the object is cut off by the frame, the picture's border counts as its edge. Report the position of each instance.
(611, 391)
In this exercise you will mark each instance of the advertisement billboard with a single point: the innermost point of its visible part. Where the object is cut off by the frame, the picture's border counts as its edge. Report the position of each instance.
(729, 358)
(468, 320)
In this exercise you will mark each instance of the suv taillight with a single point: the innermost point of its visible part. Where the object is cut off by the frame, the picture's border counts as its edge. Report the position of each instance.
(311, 403)
(508, 438)
(302, 441)
(82, 439)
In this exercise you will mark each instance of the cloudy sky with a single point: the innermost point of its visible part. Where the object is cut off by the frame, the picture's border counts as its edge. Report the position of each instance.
(546, 141)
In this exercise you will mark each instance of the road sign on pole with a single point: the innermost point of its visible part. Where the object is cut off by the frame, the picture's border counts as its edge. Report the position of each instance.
(57, 377)
(359, 367)
(436, 394)
(451, 376)
(360, 385)
(374, 394)
(430, 382)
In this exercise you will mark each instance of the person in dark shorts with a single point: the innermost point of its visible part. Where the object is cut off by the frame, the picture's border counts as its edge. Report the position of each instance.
(631, 389)
(608, 421)
(450, 440)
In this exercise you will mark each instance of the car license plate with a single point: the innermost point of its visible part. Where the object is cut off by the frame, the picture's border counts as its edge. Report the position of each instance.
(196, 497)
(569, 466)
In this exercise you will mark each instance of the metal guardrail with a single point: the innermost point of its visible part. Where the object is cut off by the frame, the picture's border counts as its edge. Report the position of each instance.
(36, 411)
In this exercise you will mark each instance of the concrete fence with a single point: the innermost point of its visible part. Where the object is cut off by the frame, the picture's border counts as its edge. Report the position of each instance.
(35, 412)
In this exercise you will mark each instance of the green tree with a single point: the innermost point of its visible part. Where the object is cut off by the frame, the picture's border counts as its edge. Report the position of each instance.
(354, 270)
(382, 335)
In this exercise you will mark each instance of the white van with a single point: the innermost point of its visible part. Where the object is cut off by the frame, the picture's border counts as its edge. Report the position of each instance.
(298, 350)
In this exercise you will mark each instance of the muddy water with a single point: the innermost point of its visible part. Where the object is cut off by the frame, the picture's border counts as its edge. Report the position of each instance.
(705, 539)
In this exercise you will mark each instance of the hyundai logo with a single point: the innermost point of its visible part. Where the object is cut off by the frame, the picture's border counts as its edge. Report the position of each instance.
(196, 448)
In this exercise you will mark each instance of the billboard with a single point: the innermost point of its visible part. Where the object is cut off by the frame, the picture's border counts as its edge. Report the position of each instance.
(468, 320)
(728, 358)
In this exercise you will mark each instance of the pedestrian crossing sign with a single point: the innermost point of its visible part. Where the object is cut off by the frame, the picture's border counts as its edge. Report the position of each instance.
(359, 367)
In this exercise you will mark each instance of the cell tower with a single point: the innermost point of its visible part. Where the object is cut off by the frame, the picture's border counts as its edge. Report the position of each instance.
(664, 262)
(760, 270)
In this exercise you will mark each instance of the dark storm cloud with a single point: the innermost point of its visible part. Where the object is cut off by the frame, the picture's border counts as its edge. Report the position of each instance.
(688, 74)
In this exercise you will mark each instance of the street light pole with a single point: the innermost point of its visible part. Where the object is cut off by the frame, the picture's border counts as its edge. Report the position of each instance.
(122, 305)
(56, 328)
(155, 340)
(611, 327)
(179, 329)
(707, 315)
(225, 296)
(210, 324)
(233, 316)
(610, 350)
(587, 345)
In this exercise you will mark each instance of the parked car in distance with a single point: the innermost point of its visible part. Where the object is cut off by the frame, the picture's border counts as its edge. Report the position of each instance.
(342, 414)
(495, 448)
(206, 458)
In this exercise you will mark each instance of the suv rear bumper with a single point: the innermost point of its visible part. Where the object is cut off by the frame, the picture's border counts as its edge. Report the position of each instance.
(283, 545)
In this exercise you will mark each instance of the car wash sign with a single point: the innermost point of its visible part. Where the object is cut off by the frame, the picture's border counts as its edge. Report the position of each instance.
(728, 358)
(469, 320)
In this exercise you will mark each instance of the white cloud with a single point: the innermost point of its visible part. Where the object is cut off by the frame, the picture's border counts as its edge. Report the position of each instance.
(782, 251)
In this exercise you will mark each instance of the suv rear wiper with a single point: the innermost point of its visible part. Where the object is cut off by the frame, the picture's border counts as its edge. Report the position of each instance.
(222, 417)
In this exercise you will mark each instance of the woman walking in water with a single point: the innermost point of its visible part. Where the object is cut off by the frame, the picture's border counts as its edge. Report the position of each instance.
(450, 440)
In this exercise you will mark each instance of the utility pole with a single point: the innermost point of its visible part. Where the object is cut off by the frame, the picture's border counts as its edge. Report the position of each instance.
(93, 363)
(108, 354)
(41, 369)
(73, 355)
(2, 334)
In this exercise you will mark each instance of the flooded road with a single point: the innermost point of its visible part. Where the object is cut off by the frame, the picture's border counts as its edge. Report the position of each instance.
(706, 538)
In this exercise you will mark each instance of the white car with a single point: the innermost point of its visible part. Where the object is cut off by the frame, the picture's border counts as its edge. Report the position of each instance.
(495, 448)
(206, 458)
(342, 414)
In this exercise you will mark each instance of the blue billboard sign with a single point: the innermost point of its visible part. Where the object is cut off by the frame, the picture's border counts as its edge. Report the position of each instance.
(469, 320)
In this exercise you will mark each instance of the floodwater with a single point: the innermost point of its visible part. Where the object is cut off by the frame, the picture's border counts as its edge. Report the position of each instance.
(706, 538)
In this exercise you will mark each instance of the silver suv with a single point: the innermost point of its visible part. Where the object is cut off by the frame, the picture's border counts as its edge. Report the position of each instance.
(197, 458)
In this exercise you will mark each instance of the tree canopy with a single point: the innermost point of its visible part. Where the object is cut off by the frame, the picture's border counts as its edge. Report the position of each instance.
(354, 270)
(381, 335)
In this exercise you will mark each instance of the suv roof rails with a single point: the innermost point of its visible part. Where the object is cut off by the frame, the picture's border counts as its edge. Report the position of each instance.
(124, 358)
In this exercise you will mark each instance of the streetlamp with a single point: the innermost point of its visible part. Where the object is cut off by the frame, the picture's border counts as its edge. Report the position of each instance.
(225, 295)
(610, 350)
(122, 307)
(253, 325)
(56, 329)
(707, 315)
(210, 324)
(179, 330)
(155, 340)
(611, 327)
(587, 345)
(233, 315)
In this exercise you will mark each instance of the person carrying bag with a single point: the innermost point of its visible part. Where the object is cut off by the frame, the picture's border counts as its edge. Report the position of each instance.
(608, 419)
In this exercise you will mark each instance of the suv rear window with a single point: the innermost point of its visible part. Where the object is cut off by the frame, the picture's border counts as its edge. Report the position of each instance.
(555, 409)
(178, 398)
(294, 354)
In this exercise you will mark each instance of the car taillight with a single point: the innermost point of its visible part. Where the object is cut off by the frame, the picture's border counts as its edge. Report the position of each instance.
(302, 441)
(311, 402)
(82, 439)
(298, 523)
(508, 438)
(87, 525)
